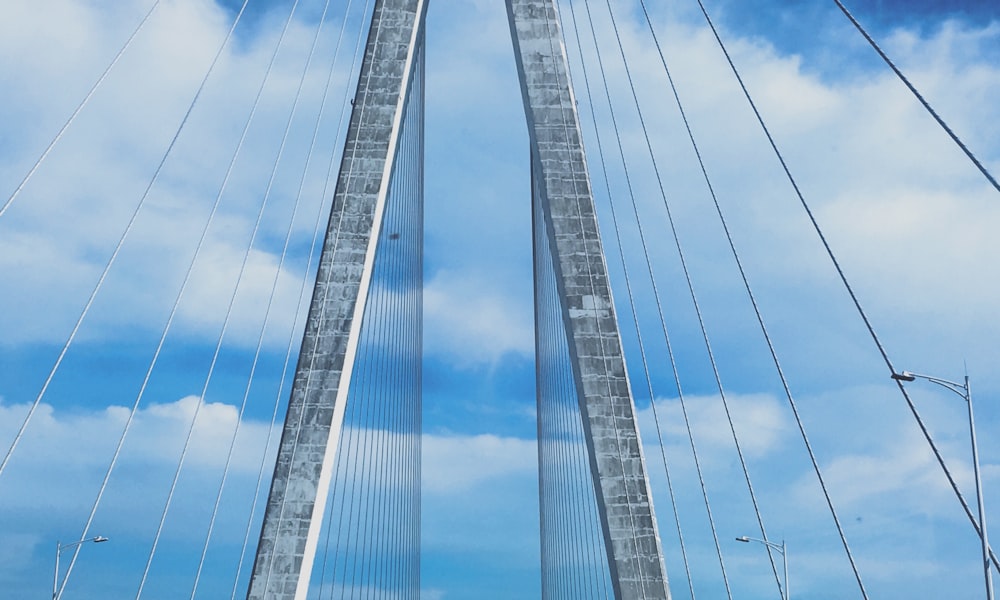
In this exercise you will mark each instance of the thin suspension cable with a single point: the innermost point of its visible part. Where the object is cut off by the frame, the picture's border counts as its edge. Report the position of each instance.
(313, 248)
(363, 391)
(573, 419)
(603, 349)
(79, 109)
(746, 283)
(323, 304)
(690, 285)
(270, 300)
(375, 321)
(850, 291)
(635, 318)
(228, 319)
(114, 256)
(979, 165)
(614, 121)
(173, 311)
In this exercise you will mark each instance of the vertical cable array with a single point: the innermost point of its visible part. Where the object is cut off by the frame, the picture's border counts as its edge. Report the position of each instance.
(374, 529)
(574, 563)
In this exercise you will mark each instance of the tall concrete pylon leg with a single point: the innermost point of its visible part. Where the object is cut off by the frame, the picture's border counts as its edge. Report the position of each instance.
(562, 185)
(306, 454)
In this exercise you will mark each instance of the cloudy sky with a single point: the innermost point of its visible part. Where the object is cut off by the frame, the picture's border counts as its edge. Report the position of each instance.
(908, 216)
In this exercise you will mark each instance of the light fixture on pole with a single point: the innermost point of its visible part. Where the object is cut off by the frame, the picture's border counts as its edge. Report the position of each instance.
(963, 390)
(784, 557)
(60, 548)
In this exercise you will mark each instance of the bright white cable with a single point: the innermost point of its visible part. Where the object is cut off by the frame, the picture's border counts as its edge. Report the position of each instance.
(79, 109)
(274, 287)
(302, 290)
(174, 308)
(229, 309)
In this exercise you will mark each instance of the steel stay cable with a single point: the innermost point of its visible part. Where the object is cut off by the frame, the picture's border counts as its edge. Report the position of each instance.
(383, 565)
(576, 417)
(414, 300)
(558, 464)
(628, 284)
(570, 470)
(645, 364)
(173, 311)
(79, 109)
(982, 168)
(382, 397)
(694, 451)
(415, 436)
(347, 442)
(367, 428)
(328, 526)
(554, 465)
(648, 262)
(326, 291)
(364, 360)
(689, 282)
(302, 289)
(387, 563)
(562, 478)
(111, 261)
(393, 524)
(600, 333)
(375, 400)
(570, 458)
(376, 326)
(362, 384)
(888, 61)
(746, 283)
(271, 296)
(781, 159)
(416, 414)
(574, 462)
(642, 352)
(539, 406)
(411, 326)
(409, 319)
(228, 317)
(849, 289)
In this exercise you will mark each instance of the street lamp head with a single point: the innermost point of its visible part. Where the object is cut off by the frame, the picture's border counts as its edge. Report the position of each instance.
(743, 538)
(904, 376)
(99, 539)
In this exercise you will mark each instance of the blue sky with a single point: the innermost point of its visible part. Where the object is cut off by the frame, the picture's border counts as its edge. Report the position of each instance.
(912, 222)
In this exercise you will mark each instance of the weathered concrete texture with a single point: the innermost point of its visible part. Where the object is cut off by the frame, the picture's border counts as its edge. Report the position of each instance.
(293, 515)
(563, 186)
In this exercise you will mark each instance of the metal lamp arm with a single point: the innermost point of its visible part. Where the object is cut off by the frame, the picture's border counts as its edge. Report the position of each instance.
(958, 388)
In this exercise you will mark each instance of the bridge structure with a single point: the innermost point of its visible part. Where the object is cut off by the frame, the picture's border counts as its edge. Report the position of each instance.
(337, 507)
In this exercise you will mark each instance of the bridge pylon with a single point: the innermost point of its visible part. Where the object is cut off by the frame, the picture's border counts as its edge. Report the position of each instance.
(576, 328)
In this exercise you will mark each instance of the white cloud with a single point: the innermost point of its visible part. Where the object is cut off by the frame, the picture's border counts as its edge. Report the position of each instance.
(471, 318)
(454, 464)
(93, 180)
(887, 186)
(759, 420)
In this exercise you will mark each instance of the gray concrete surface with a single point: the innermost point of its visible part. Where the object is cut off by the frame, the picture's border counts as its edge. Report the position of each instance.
(293, 515)
(563, 186)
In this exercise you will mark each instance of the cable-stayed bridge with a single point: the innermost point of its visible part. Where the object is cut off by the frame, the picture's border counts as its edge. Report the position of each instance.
(785, 232)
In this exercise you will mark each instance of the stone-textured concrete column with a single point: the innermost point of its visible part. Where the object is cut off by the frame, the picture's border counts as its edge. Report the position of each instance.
(563, 186)
(311, 434)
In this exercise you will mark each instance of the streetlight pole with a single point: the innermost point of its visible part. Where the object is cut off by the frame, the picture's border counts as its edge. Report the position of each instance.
(60, 548)
(784, 557)
(963, 390)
